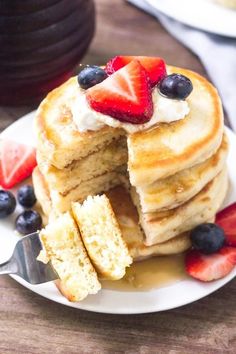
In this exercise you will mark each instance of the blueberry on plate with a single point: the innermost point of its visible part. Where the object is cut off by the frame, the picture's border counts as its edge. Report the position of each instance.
(207, 238)
(7, 203)
(28, 222)
(90, 76)
(176, 86)
(26, 196)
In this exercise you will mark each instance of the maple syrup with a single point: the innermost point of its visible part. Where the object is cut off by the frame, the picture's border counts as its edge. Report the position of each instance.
(152, 273)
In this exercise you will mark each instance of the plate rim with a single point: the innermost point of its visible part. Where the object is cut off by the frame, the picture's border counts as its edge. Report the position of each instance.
(96, 307)
(207, 27)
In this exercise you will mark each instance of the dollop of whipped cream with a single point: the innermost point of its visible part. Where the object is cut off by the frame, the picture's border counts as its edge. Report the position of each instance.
(165, 110)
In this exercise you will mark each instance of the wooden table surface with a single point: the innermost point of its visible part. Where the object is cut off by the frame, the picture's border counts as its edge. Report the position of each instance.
(32, 324)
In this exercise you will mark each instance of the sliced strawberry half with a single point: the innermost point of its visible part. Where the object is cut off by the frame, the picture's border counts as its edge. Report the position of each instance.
(126, 95)
(17, 162)
(210, 267)
(155, 67)
(226, 219)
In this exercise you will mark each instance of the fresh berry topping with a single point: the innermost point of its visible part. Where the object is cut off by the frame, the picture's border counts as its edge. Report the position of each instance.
(226, 219)
(154, 66)
(208, 238)
(17, 162)
(26, 196)
(125, 95)
(176, 86)
(90, 76)
(28, 222)
(7, 203)
(210, 267)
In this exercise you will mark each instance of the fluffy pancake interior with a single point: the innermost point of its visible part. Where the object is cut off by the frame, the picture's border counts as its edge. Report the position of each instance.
(105, 160)
(96, 185)
(132, 233)
(102, 236)
(65, 250)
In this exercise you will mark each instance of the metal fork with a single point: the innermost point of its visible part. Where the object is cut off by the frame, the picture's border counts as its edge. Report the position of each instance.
(23, 261)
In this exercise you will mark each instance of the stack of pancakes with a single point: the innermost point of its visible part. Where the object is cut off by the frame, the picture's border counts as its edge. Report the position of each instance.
(174, 172)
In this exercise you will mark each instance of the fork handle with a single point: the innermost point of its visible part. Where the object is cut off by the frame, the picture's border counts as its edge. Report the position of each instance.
(8, 267)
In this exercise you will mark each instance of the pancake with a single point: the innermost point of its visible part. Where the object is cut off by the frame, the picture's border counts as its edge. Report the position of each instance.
(164, 225)
(170, 192)
(98, 163)
(171, 147)
(58, 140)
(153, 154)
(65, 249)
(102, 237)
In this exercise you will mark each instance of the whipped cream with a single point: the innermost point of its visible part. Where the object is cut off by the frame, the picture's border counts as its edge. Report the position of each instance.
(165, 110)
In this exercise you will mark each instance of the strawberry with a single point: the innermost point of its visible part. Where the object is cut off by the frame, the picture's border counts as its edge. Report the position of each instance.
(154, 66)
(17, 162)
(226, 219)
(210, 267)
(126, 95)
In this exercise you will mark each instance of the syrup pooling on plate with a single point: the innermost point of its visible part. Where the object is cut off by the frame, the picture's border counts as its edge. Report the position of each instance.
(150, 274)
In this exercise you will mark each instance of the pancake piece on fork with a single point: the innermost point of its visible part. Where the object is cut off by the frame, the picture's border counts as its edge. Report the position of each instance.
(64, 248)
(102, 236)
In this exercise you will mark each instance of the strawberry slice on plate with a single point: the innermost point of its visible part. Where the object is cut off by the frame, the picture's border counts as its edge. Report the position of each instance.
(226, 219)
(154, 66)
(126, 95)
(210, 267)
(17, 162)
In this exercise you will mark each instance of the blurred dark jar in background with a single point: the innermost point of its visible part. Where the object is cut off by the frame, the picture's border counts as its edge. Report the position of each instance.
(41, 42)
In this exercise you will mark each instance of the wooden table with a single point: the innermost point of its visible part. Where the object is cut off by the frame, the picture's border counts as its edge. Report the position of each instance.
(32, 324)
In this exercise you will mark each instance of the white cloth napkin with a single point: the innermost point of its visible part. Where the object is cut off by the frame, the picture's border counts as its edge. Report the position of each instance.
(217, 53)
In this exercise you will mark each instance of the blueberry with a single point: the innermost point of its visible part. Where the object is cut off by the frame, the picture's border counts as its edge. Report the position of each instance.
(208, 238)
(7, 203)
(29, 221)
(90, 76)
(176, 86)
(26, 196)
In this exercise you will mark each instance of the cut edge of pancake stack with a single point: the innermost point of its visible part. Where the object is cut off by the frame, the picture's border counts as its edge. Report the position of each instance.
(177, 175)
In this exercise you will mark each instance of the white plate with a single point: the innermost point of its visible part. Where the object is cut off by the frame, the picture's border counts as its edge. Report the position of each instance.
(202, 14)
(110, 301)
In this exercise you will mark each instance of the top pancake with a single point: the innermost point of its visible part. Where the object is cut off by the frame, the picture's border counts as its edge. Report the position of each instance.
(172, 147)
(153, 154)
